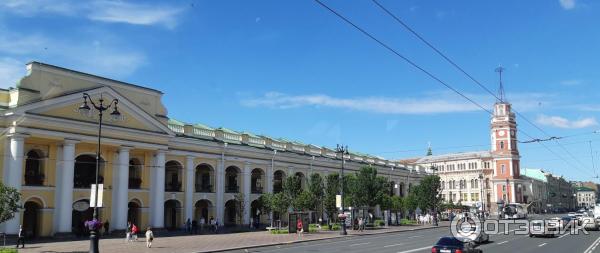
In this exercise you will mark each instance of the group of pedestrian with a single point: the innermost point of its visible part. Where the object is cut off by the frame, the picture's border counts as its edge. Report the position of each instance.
(359, 224)
(425, 219)
(131, 234)
(191, 226)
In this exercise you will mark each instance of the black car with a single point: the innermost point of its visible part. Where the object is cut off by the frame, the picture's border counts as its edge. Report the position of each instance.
(452, 245)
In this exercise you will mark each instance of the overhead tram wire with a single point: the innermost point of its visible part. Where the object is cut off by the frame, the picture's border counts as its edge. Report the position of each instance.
(424, 70)
(406, 26)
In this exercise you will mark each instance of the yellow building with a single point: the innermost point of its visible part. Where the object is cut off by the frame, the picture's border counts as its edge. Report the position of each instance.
(156, 171)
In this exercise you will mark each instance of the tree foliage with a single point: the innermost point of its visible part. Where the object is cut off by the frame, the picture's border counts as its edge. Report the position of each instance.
(332, 188)
(316, 187)
(305, 201)
(240, 206)
(9, 202)
(427, 192)
(369, 189)
(292, 187)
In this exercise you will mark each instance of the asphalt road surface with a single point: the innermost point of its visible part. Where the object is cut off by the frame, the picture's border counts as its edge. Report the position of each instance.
(422, 240)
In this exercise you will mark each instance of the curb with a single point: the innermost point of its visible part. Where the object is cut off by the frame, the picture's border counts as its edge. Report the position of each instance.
(318, 239)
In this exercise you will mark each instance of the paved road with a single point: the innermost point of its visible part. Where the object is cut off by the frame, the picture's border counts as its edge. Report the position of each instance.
(421, 241)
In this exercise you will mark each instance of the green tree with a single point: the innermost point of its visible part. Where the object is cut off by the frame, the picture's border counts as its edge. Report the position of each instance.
(316, 186)
(305, 201)
(428, 192)
(368, 189)
(410, 203)
(292, 187)
(9, 202)
(280, 203)
(240, 207)
(266, 204)
(332, 188)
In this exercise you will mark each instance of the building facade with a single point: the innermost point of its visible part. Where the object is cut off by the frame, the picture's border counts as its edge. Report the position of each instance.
(586, 197)
(155, 171)
(536, 190)
(499, 167)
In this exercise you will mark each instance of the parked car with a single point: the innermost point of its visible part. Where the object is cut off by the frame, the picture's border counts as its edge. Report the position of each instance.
(452, 245)
(589, 223)
(541, 228)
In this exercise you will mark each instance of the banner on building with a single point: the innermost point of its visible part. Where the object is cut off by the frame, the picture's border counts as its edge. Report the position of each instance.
(93, 197)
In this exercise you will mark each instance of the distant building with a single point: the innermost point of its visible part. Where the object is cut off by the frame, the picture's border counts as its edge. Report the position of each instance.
(586, 197)
(497, 170)
(536, 189)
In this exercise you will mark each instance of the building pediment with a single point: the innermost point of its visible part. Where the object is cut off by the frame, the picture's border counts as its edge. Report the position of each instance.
(66, 107)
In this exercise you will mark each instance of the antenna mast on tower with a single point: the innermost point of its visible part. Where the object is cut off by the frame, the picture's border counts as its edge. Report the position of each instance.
(501, 90)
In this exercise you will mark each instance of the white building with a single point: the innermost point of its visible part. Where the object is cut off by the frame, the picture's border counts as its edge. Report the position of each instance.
(586, 197)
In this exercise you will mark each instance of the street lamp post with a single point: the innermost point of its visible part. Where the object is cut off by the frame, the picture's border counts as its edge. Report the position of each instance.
(85, 109)
(481, 196)
(343, 151)
(434, 171)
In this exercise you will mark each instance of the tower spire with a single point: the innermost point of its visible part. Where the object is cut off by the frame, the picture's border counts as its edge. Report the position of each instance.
(500, 69)
(429, 152)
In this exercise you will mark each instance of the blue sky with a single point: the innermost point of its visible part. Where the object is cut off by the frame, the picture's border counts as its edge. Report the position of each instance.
(291, 69)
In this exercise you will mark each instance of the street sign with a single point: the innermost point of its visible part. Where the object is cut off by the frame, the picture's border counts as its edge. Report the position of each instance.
(93, 193)
(338, 201)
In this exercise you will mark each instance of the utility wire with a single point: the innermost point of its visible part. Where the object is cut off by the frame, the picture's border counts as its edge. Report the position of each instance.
(423, 70)
(476, 81)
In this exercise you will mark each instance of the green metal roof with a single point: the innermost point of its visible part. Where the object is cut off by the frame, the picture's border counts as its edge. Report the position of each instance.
(537, 174)
(176, 122)
(584, 189)
(227, 130)
(203, 126)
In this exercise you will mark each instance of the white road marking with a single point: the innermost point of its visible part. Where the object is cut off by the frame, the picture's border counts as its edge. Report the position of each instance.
(502, 242)
(398, 244)
(413, 250)
(593, 246)
(563, 236)
(414, 236)
(356, 244)
(541, 244)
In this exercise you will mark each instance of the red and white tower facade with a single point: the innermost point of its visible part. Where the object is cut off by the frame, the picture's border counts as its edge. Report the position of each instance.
(506, 159)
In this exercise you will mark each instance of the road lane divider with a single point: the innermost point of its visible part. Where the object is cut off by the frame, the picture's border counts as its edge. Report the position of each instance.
(413, 250)
(542, 245)
(393, 245)
(593, 246)
(358, 244)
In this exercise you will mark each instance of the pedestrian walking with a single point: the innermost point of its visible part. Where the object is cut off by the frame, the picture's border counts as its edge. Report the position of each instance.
(134, 231)
(21, 238)
(202, 222)
(361, 224)
(194, 227)
(188, 226)
(128, 232)
(106, 228)
(149, 237)
(299, 229)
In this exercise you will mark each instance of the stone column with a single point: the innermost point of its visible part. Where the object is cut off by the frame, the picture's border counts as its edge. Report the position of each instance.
(15, 175)
(220, 191)
(157, 198)
(122, 188)
(189, 188)
(247, 174)
(512, 198)
(64, 190)
(269, 179)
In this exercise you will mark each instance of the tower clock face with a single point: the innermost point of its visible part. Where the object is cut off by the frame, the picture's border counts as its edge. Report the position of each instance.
(501, 133)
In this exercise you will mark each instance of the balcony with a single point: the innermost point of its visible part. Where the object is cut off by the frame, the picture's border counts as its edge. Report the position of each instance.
(203, 188)
(135, 183)
(257, 190)
(173, 187)
(232, 189)
(34, 179)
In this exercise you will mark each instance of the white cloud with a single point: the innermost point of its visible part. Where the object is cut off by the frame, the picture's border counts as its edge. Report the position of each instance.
(11, 70)
(560, 122)
(368, 104)
(82, 54)
(567, 4)
(100, 10)
(136, 14)
(571, 82)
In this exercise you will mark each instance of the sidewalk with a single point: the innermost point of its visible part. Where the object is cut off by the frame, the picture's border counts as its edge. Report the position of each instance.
(206, 243)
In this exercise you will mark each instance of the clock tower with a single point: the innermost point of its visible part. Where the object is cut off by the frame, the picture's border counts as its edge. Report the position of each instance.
(506, 169)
